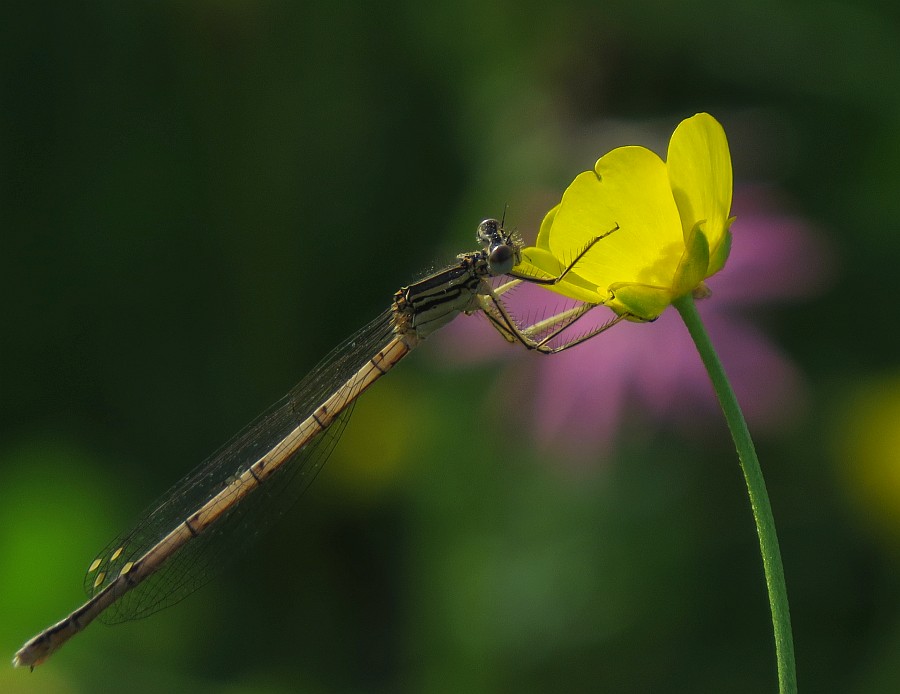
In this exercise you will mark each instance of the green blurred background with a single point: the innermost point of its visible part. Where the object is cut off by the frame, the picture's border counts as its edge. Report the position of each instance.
(199, 199)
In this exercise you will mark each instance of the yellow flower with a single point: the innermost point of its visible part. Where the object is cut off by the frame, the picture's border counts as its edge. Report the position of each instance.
(669, 223)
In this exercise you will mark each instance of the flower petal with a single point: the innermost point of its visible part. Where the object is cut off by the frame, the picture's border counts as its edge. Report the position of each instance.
(693, 264)
(627, 194)
(543, 237)
(540, 263)
(699, 167)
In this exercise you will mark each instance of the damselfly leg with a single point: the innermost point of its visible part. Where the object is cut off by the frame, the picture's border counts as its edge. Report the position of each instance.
(538, 335)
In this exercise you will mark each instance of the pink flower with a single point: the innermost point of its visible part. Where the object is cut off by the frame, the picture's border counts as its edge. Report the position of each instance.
(579, 400)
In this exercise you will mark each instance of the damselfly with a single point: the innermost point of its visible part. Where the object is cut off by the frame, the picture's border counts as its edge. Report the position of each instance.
(169, 552)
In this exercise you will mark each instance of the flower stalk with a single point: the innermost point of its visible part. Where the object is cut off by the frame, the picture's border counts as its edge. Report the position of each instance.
(668, 225)
(759, 497)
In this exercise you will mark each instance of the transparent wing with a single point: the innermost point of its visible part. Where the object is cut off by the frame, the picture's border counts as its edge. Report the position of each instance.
(541, 320)
(198, 560)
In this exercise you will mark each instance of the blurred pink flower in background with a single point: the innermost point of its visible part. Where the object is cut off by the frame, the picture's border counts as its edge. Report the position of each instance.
(580, 399)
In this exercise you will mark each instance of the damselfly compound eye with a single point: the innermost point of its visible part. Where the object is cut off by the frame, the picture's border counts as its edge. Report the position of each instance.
(501, 259)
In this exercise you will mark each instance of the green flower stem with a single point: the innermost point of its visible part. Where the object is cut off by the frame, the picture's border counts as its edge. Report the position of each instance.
(759, 497)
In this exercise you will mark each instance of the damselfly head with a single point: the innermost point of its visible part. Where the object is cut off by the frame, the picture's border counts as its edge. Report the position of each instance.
(502, 249)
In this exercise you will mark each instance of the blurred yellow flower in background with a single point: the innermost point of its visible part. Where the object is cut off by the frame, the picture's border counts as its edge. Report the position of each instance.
(869, 457)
